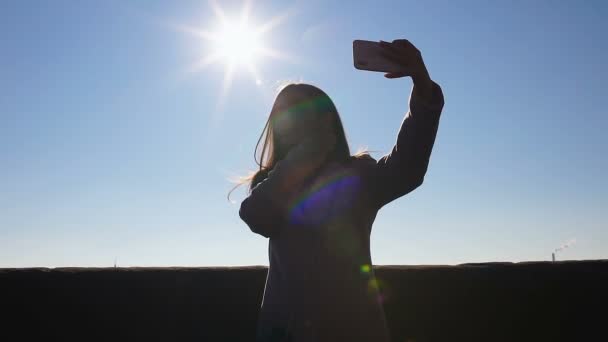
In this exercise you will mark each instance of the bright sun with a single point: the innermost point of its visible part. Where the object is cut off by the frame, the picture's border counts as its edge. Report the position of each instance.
(236, 43)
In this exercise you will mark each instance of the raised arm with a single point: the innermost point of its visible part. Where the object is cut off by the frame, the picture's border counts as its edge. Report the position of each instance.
(404, 168)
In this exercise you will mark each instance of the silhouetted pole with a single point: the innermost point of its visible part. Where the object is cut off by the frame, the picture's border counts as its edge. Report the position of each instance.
(553, 256)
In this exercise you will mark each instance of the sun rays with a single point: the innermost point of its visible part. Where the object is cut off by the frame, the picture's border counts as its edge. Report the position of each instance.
(237, 43)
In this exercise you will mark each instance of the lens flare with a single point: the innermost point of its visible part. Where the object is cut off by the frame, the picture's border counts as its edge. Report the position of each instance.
(325, 200)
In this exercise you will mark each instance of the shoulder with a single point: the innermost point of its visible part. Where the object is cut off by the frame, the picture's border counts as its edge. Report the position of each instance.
(363, 165)
(359, 165)
(363, 157)
(363, 161)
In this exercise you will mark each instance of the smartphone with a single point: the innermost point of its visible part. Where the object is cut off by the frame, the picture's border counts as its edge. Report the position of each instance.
(367, 56)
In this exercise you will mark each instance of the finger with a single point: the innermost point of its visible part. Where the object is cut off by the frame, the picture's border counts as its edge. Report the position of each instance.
(403, 58)
(389, 46)
(400, 52)
(403, 47)
(396, 74)
(407, 47)
(398, 44)
(402, 42)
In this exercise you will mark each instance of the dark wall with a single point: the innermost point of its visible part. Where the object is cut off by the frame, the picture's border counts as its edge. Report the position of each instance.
(562, 301)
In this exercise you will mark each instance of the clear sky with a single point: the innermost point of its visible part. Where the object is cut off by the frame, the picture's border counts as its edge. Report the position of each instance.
(113, 146)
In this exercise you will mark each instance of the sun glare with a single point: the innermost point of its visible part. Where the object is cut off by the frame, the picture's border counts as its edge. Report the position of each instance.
(236, 43)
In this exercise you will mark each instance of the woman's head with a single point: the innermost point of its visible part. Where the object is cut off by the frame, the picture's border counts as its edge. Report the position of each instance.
(299, 111)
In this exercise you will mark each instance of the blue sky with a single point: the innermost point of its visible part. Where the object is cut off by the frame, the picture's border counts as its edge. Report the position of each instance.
(110, 148)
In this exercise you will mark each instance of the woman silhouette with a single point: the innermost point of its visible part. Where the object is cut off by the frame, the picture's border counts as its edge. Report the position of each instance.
(316, 203)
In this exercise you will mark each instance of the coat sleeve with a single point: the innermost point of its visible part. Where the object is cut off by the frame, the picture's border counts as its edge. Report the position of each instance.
(264, 210)
(404, 168)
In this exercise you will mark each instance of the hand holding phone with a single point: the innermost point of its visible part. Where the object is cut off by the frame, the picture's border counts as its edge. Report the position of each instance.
(369, 55)
(398, 58)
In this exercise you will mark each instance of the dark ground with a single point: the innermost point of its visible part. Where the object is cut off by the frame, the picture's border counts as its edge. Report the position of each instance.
(536, 301)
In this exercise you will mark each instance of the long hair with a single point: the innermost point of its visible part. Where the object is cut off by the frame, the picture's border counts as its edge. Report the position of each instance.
(292, 98)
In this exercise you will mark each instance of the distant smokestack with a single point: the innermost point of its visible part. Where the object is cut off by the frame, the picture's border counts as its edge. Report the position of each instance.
(553, 256)
(562, 247)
